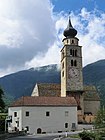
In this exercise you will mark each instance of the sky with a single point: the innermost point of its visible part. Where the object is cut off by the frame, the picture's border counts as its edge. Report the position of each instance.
(31, 31)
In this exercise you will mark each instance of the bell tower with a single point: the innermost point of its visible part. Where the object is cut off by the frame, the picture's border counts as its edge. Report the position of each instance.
(71, 65)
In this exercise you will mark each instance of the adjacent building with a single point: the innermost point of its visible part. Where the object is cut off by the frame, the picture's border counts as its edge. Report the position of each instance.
(43, 114)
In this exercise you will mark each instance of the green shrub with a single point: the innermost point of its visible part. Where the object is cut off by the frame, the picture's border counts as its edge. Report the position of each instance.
(87, 135)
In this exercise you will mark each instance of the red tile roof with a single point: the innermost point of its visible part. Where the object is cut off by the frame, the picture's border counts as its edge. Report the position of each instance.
(44, 101)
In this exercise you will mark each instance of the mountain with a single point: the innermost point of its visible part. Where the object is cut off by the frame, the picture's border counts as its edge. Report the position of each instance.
(94, 74)
(22, 83)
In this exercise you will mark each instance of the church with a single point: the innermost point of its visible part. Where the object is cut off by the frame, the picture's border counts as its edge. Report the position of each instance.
(58, 107)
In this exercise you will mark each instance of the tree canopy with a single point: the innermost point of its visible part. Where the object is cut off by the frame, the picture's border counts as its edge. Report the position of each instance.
(2, 104)
(100, 118)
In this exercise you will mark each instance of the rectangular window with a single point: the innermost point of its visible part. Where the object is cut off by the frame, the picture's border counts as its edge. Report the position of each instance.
(47, 113)
(27, 113)
(15, 114)
(71, 52)
(17, 123)
(66, 113)
(66, 125)
(73, 125)
(72, 41)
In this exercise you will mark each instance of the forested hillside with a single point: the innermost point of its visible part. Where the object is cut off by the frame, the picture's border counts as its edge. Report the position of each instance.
(21, 83)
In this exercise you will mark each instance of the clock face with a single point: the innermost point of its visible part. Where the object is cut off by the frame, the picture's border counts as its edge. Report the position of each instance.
(73, 73)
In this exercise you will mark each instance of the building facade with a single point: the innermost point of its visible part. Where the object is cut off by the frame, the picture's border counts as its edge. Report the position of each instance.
(43, 114)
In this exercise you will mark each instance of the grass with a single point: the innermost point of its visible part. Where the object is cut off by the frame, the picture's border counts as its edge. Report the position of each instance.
(74, 136)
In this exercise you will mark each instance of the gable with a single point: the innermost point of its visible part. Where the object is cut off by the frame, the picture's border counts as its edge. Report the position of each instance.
(44, 89)
(35, 91)
(54, 90)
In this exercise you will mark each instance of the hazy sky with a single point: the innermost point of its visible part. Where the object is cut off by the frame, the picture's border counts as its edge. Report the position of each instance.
(31, 31)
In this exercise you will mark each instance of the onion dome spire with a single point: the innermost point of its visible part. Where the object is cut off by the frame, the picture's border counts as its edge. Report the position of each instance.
(70, 31)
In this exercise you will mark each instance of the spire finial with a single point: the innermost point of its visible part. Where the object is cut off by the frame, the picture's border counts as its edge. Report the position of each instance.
(69, 16)
(69, 24)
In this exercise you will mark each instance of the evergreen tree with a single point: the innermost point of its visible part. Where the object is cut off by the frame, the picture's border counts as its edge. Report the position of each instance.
(100, 118)
(2, 104)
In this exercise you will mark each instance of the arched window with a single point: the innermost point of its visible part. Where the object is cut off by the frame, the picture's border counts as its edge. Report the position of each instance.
(39, 131)
(66, 125)
(63, 74)
(71, 52)
(62, 65)
(75, 63)
(71, 62)
(72, 41)
(75, 52)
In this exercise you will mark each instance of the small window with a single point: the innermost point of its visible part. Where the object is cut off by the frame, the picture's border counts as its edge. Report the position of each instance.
(15, 114)
(71, 52)
(66, 113)
(73, 126)
(47, 113)
(66, 125)
(17, 123)
(75, 63)
(27, 113)
(71, 62)
(62, 65)
(63, 74)
(75, 52)
(72, 41)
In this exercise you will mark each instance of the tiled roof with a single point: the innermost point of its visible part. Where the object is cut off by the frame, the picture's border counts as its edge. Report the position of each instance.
(49, 89)
(44, 101)
(46, 89)
(91, 94)
(89, 88)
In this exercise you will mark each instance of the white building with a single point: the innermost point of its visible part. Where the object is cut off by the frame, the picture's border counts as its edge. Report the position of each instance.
(43, 114)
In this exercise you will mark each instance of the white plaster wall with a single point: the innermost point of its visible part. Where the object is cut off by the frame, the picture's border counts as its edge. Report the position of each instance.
(11, 111)
(38, 119)
(35, 91)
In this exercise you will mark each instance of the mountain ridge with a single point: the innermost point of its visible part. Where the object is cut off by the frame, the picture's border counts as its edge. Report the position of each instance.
(22, 83)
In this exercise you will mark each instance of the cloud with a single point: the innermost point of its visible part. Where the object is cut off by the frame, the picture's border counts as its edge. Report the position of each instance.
(92, 37)
(26, 29)
(91, 32)
(52, 56)
(31, 34)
